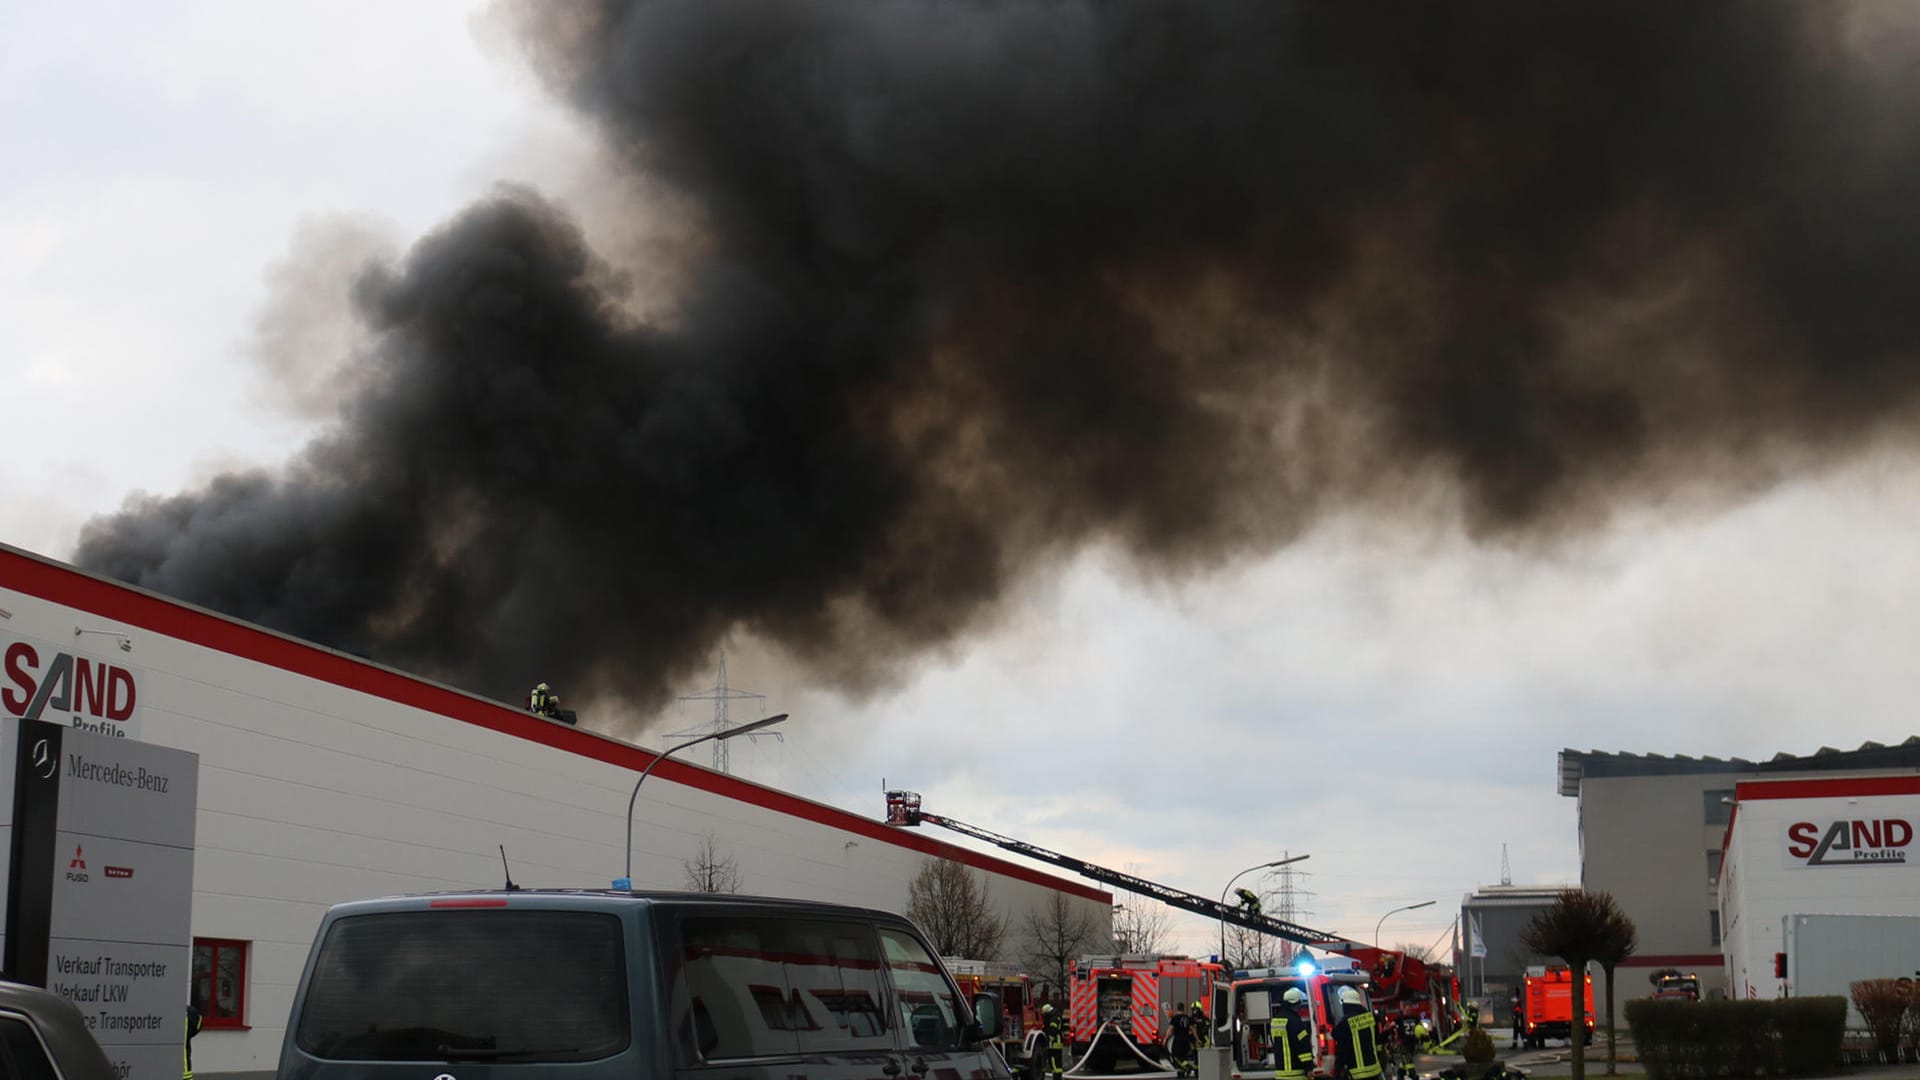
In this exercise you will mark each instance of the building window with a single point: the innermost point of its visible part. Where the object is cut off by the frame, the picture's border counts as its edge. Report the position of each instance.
(1713, 868)
(1718, 812)
(220, 982)
(1713, 922)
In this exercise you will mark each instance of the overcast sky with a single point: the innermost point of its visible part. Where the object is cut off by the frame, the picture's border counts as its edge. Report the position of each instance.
(1389, 701)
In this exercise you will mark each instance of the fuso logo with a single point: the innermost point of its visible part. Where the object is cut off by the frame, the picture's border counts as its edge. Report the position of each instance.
(1850, 843)
(65, 683)
(77, 863)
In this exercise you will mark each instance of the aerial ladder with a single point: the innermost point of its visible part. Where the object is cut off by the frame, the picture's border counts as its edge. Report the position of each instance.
(903, 809)
(1393, 971)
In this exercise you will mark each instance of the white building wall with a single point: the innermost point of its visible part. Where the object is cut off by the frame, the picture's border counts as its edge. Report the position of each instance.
(313, 793)
(1763, 882)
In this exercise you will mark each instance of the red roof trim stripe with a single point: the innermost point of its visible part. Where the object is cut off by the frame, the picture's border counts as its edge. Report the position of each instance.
(62, 584)
(1826, 787)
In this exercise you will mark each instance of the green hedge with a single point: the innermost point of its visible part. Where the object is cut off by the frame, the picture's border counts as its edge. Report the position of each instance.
(1682, 1040)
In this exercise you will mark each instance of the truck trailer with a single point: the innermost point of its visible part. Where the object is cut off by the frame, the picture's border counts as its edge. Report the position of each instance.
(1825, 953)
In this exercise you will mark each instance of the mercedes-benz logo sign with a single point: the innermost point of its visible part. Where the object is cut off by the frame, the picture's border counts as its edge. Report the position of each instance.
(43, 762)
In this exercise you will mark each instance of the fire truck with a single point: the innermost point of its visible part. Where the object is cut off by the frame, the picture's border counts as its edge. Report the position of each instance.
(1546, 1005)
(1404, 988)
(1020, 1013)
(1249, 1000)
(1119, 1008)
(1677, 987)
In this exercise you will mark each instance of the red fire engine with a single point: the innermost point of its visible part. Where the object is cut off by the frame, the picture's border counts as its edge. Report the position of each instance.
(1020, 1013)
(1132, 998)
(1406, 989)
(1255, 995)
(1546, 1005)
(1674, 986)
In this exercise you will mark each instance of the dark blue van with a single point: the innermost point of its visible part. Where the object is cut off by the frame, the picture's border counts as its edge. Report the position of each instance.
(533, 984)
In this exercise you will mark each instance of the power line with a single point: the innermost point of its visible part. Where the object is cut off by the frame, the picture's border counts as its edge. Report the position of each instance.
(721, 695)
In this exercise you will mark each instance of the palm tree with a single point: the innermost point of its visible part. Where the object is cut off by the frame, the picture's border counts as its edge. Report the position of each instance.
(1579, 927)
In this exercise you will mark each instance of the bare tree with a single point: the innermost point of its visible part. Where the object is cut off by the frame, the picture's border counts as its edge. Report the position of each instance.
(1417, 952)
(1250, 949)
(1140, 926)
(955, 910)
(1579, 927)
(1055, 934)
(711, 871)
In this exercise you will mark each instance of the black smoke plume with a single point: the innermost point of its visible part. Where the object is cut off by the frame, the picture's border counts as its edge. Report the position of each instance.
(981, 284)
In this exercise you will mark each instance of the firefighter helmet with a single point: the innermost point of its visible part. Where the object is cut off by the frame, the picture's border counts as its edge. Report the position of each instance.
(1047, 1009)
(1349, 996)
(1294, 997)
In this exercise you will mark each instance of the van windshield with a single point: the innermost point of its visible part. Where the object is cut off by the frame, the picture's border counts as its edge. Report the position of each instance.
(493, 985)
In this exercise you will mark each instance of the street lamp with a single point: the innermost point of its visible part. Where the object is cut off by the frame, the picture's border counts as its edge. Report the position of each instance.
(1383, 918)
(729, 733)
(1237, 877)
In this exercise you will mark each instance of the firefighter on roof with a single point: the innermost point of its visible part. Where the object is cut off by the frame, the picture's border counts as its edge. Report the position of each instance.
(1055, 1047)
(1355, 1038)
(544, 702)
(1291, 1036)
(1249, 900)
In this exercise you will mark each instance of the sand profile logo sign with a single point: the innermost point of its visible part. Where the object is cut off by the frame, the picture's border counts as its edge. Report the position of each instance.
(1877, 842)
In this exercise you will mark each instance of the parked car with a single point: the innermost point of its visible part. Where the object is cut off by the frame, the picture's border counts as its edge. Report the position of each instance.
(596, 985)
(44, 1037)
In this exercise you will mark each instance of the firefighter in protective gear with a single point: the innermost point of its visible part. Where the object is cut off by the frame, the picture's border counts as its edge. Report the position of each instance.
(194, 1020)
(1054, 1032)
(1249, 901)
(1356, 1038)
(1290, 1032)
(1202, 1031)
(1180, 1043)
(544, 702)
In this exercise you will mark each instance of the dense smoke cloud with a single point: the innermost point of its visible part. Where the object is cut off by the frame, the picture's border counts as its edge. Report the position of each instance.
(977, 285)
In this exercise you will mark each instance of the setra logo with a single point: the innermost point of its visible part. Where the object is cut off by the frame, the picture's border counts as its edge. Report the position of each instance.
(1850, 842)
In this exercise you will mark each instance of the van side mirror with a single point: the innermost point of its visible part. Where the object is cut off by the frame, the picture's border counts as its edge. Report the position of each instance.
(986, 1014)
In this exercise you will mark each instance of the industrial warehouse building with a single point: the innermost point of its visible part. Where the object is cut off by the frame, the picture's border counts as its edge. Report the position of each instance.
(1652, 832)
(326, 778)
(1490, 958)
(1831, 857)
